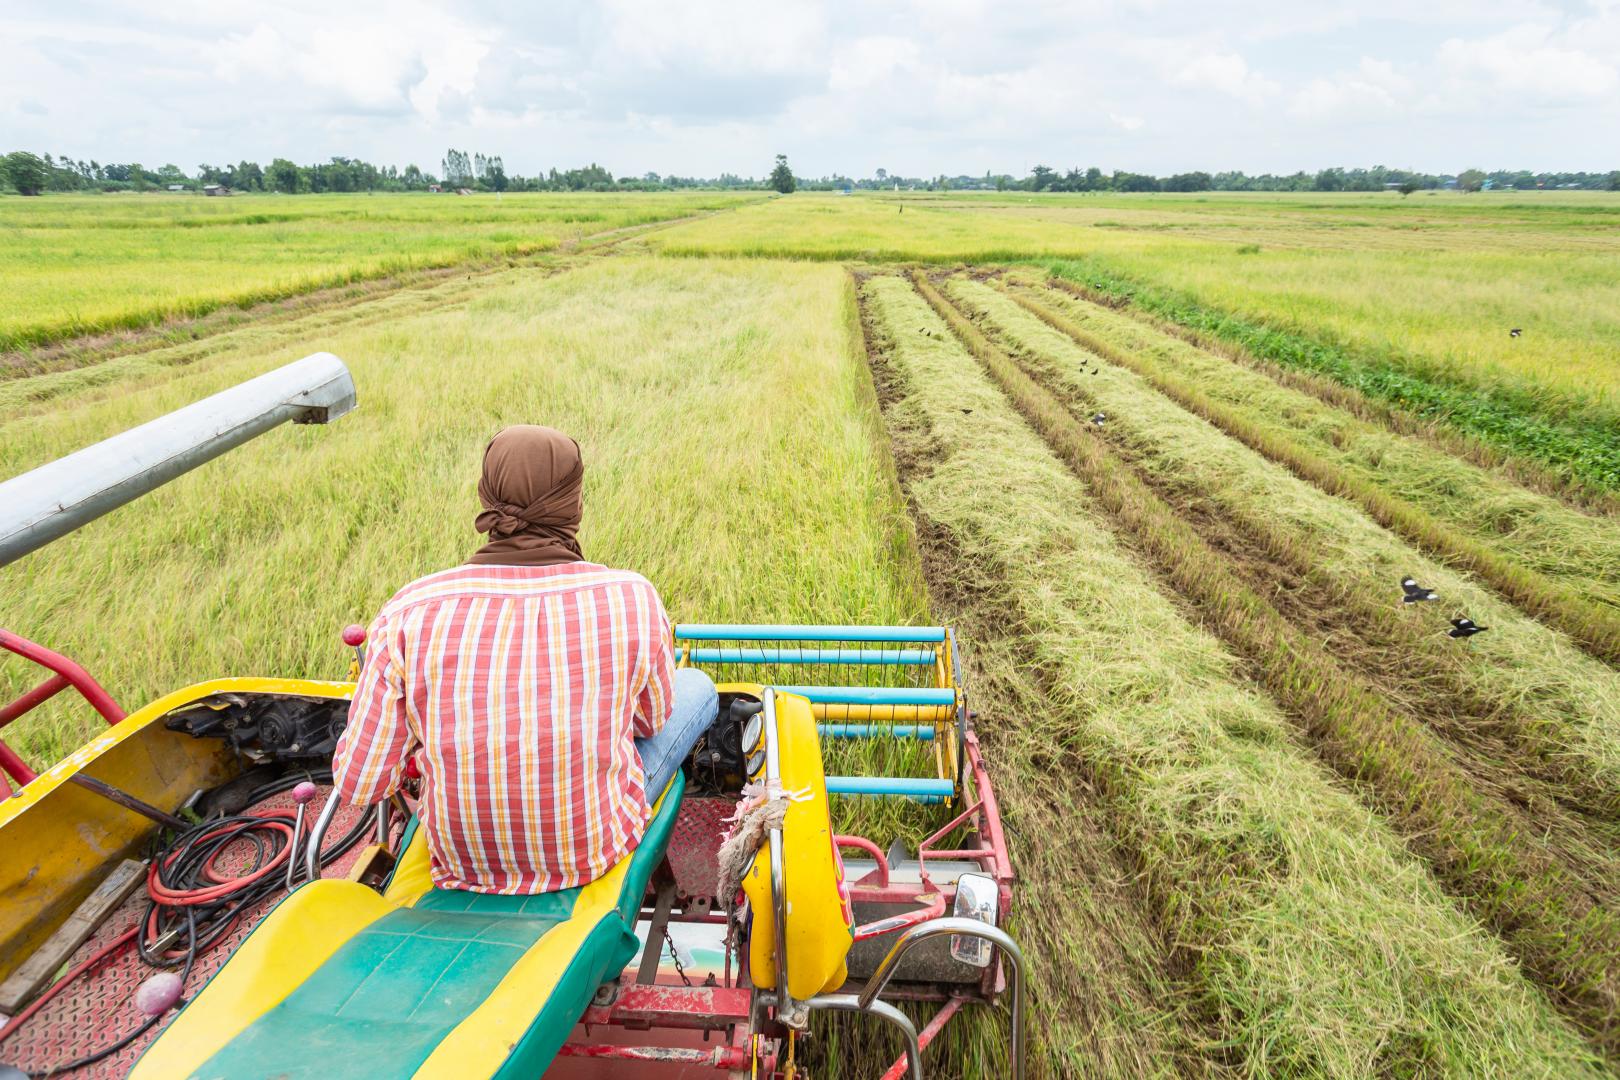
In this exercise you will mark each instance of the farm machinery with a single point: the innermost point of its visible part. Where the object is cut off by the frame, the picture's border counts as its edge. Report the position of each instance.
(181, 897)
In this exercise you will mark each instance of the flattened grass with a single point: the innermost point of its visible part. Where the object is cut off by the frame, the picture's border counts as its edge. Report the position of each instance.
(1315, 944)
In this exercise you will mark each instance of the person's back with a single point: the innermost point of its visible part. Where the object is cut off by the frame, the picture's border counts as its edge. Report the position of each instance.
(536, 685)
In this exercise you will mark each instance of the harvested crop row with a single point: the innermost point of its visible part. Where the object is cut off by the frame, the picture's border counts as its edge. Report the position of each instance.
(1485, 853)
(1315, 944)
(1595, 626)
(1568, 431)
(1444, 440)
(1558, 709)
(1580, 550)
(1100, 966)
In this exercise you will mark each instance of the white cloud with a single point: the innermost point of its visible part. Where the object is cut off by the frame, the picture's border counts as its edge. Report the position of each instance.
(918, 86)
(1225, 73)
(1374, 87)
(1530, 59)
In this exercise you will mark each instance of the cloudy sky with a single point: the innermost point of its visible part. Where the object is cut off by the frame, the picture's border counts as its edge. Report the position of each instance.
(917, 87)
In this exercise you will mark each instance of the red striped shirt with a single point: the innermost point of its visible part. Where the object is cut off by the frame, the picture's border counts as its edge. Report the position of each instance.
(523, 687)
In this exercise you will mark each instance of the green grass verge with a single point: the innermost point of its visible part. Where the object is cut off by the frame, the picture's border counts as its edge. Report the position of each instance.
(1577, 439)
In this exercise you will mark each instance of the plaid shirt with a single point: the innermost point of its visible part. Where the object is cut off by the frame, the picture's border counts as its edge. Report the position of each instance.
(523, 687)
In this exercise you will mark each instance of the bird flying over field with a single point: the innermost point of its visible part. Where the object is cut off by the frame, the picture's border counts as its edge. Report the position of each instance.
(1515, 332)
(1463, 628)
(1413, 593)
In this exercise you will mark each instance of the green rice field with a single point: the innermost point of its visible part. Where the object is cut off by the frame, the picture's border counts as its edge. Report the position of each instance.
(1162, 461)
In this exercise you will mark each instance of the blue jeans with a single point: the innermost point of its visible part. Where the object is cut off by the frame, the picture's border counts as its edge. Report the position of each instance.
(695, 708)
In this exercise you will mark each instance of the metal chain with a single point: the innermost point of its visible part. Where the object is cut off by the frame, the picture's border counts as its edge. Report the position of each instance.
(675, 955)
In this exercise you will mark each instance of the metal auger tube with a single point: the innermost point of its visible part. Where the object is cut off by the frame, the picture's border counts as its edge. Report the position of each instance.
(867, 1000)
(54, 499)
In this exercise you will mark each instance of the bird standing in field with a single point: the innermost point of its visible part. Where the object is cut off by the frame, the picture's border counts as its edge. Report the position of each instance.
(1099, 418)
(1515, 332)
(1413, 593)
(1465, 628)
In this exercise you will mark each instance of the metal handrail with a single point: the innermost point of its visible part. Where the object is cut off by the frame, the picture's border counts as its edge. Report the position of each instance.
(882, 1009)
(867, 1000)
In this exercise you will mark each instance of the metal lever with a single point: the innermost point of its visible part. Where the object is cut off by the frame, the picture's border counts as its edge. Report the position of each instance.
(867, 1001)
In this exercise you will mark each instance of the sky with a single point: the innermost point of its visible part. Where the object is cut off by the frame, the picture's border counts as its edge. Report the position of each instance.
(916, 87)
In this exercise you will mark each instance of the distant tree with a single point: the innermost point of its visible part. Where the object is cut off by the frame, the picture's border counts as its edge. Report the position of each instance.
(285, 177)
(1002, 182)
(1470, 180)
(1040, 178)
(249, 177)
(1407, 187)
(24, 171)
(1095, 181)
(1614, 180)
(882, 175)
(782, 176)
(1330, 180)
(1193, 181)
(1129, 181)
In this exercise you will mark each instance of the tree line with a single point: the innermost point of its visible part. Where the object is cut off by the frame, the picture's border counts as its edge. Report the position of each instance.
(32, 174)
(1378, 178)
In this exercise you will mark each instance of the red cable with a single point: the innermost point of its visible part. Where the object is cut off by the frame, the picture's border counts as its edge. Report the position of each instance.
(61, 984)
(161, 894)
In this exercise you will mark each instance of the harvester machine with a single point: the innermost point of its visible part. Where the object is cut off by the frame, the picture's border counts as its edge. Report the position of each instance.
(180, 897)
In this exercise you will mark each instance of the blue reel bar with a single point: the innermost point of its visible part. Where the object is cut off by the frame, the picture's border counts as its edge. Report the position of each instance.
(919, 657)
(874, 731)
(898, 684)
(746, 632)
(907, 787)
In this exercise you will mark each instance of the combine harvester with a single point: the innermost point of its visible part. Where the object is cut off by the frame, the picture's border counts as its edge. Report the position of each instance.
(179, 897)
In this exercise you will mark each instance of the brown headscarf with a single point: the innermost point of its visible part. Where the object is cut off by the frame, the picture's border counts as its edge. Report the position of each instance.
(531, 496)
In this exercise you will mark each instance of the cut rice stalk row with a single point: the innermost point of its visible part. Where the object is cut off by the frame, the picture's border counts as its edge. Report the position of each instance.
(1556, 709)
(1577, 549)
(1142, 328)
(1484, 853)
(1314, 943)
(1595, 627)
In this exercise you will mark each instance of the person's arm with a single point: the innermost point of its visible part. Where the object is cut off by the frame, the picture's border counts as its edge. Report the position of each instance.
(371, 754)
(656, 699)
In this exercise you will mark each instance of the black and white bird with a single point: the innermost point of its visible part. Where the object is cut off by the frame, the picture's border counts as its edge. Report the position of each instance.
(1099, 418)
(1465, 628)
(1413, 593)
(1515, 332)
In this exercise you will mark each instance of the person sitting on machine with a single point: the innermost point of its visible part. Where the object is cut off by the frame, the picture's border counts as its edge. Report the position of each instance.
(540, 689)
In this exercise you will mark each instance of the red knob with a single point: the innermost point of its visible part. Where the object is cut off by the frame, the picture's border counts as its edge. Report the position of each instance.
(158, 995)
(304, 792)
(354, 635)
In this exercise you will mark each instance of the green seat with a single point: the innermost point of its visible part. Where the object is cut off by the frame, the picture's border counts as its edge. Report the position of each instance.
(451, 983)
